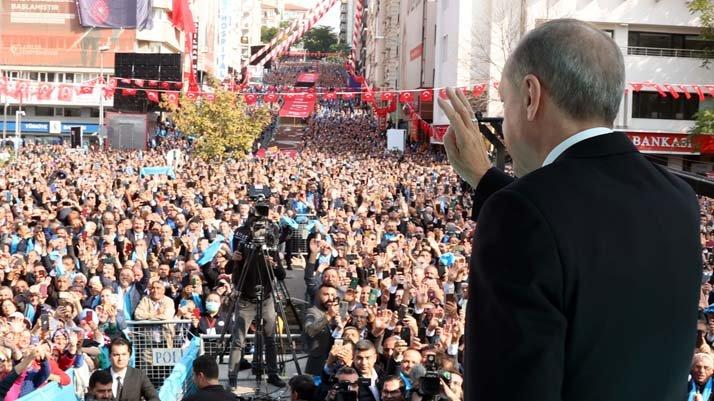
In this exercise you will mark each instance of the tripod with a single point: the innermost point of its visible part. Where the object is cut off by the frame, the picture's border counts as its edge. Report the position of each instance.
(256, 257)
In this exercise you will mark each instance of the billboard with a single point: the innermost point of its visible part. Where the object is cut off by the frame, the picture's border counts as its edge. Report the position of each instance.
(115, 13)
(42, 33)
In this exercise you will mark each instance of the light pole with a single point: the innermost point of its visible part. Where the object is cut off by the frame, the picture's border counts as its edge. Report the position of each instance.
(102, 85)
(4, 119)
(18, 119)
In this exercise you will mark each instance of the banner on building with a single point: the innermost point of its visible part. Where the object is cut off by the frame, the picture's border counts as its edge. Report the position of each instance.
(37, 32)
(297, 106)
(127, 14)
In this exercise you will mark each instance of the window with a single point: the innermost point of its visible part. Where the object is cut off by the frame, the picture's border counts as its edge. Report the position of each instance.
(68, 77)
(44, 111)
(11, 110)
(47, 76)
(609, 32)
(34, 76)
(667, 41)
(652, 105)
(94, 112)
(72, 112)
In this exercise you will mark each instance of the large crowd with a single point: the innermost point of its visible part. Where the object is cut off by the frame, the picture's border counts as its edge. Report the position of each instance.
(88, 245)
(331, 75)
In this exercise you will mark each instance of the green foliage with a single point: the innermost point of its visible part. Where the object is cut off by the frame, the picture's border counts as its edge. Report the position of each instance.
(704, 125)
(704, 9)
(341, 48)
(319, 39)
(267, 34)
(223, 128)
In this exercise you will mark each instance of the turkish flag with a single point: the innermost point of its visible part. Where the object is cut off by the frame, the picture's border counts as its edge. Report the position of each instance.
(139, 82)
(479, 90)
(310, 97)
(22, 90)
(44, 91)
(192, 96)
(171, 97)
(165, 85)
(406, 97)
(250, 99)
(685, 91)
(108, 93)
(348, 95)
(386, 96)
(178, 85)
(368, 97)
(128, 92)
(3, 85)
(426, 96)
(152, 96)
(112, 83)
(442, 94)
(66, 93)
(636, 86)
(209, 97)
(332, 96)
(699, 92)
(153, 84)
(672, 91)
(86, 90)
(270, 97)
(126, 81)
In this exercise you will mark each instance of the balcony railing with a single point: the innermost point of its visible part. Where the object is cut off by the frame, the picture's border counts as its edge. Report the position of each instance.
(662, 52)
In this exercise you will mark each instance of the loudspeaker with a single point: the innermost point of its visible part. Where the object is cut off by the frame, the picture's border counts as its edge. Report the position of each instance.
(75, 137)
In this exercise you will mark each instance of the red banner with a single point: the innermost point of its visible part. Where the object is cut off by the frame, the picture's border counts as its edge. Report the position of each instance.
(297, 106)
(308, 77)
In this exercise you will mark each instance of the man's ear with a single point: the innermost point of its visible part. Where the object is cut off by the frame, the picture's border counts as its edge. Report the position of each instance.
(534, 91)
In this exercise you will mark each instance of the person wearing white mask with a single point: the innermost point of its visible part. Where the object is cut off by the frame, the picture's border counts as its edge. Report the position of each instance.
(210, 322)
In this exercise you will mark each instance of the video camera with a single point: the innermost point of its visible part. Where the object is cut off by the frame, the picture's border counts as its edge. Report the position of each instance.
(262, 230)
(430, 383)
(344, 393)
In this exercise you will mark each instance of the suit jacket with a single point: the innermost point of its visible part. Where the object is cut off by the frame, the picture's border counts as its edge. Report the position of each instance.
(136, 385)
(317, 339)
(565, 264)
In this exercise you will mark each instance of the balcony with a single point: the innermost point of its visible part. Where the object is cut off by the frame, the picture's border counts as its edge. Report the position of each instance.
(662, 52)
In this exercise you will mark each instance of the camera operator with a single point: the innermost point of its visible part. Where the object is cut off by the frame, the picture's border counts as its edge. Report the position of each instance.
(346, 387)
(258, 236)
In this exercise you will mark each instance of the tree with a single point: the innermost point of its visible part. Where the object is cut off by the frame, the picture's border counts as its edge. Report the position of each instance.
(224, 127)
(341, 48)
(267, 34)
(319, 39)
(704, 125)
(705, 9)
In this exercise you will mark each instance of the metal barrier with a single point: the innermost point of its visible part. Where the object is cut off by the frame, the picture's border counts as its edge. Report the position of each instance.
(158, 346)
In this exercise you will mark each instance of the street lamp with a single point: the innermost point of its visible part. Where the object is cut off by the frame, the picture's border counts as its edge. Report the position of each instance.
(18, 119)
(101, 49)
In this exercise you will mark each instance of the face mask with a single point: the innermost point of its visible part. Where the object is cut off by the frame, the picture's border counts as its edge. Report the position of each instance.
(212, 307)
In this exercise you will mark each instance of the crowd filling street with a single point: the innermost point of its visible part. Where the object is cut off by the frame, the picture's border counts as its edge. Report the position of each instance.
(87, 245)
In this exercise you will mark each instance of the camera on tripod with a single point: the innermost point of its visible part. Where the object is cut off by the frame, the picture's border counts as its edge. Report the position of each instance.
(262, 232)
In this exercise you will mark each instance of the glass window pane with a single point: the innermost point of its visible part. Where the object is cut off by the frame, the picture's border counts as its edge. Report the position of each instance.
(657, 40)
(72, 112)
(44, 111)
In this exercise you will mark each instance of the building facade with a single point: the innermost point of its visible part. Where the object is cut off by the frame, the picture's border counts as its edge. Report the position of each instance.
(272, 13)
(50, 47)
(658, 39)
(347, 21)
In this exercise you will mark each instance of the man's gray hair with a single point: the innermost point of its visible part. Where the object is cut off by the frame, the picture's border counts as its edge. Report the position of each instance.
(579, 65)
(703, 357)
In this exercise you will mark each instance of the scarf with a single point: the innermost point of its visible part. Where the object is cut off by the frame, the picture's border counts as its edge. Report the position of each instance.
(694, 390)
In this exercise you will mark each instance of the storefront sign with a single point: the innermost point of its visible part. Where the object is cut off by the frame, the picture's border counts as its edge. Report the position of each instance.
(656, 142)
(47, 127)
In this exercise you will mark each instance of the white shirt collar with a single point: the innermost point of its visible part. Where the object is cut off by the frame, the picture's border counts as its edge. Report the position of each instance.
(572, 140)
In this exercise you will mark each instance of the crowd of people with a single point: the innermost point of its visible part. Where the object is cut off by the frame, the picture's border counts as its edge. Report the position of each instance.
(330, 75)
(88, 245)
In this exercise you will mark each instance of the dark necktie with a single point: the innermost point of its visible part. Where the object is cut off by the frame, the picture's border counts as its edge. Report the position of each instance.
(119, 387)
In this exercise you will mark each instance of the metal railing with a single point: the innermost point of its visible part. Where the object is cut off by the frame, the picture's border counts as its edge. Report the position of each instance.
(158, 346)
(663, 52)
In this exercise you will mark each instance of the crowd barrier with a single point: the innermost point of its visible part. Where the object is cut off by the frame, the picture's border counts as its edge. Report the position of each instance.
(158, 346)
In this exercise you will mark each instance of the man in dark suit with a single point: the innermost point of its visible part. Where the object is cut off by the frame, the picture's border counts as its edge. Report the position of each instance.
(129, 384)
(566, 257)
(320, 321)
